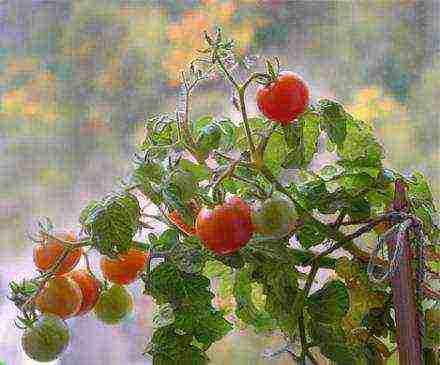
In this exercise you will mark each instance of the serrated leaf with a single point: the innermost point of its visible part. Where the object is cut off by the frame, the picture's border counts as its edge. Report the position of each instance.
(361, 143)
(276, 151)
(200, 172)
(112, 223)
(209, 139)
(294, 158)
(311, 133)
(333, 120)
(330, 303)
(309, 235)
(245, 308)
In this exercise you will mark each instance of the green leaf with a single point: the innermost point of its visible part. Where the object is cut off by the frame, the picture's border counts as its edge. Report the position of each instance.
(329, 304)
(168, 347)
(245, 308)
(360, 144)
(309, 235)
(333, 120)
(293, 134)
(276, 151)
(172, 197)
(202, 122)
(209, 139)
(311, 133)
(198, 171)
(359, 209)
(331, 342)
(229, 131)
(294, 158)
(112, 223)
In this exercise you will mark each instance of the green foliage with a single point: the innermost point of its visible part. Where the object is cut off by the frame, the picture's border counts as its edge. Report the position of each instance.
(245, 308)
(112, 223)
(330, 303)
(195, 318)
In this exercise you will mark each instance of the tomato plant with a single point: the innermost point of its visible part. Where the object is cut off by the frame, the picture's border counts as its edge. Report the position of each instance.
(114, 305)
(46, 339)
(61, 296)
(267, 221)
(283, 99)
(125, 269)
(227, 227)
(274, 217)
(49, 250)
(90, 289)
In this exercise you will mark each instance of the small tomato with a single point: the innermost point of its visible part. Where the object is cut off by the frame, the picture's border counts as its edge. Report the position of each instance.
(275, 217)
(90, 288)
(284, 99)
(46, 339)
(114, 305)
(46, 254)
(227, 227)
(125, 269)
(61, 296)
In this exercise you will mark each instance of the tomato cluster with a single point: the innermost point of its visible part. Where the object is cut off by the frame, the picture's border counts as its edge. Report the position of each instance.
(69, 292)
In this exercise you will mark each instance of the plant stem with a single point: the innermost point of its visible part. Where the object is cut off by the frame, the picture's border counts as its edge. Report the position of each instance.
(241, 97)
(302, 333)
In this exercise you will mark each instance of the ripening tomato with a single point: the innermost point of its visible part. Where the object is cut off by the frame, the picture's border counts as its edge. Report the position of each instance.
(275, 217)
(285, 99)
(90, 288)
(47, 339)
(61, 296)
(47, 253)
(176, 218)
(227, 227)
(125, 269)
(114, 305)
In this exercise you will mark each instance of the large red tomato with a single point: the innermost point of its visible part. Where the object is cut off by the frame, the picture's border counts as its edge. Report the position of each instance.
(227, 227)
(90, 288)
(47, 253)
(126, 268)
(285, 99)
(60, 296)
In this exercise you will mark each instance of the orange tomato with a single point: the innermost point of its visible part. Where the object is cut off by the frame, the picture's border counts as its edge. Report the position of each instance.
(176, 218)
(61, 296)
(47, 253)
(126, 268)
(90, 289)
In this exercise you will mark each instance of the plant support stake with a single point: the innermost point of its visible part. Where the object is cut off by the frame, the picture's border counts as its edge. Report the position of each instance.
(408, 319)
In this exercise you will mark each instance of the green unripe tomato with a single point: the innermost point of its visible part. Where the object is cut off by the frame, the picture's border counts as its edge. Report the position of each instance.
(114, 305)
(47, 339)
(274, 217)
(185, 182)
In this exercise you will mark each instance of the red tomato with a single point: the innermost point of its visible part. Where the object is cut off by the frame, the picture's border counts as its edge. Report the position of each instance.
(285, 99)
(47, 253)
(227, 227)
(126, 268)
(60, 296)
(176, 218)
(90, 289)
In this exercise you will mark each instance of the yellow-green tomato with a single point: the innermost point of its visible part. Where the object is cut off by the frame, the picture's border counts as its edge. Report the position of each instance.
(47, 339)
(274, 217)
(114, 305)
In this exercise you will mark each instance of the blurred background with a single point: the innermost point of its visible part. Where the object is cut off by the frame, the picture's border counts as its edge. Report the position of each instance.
(77, 79)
